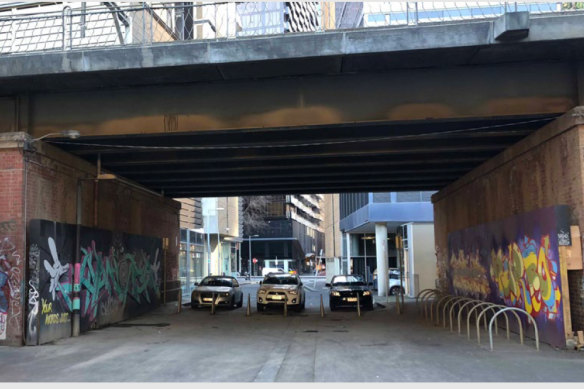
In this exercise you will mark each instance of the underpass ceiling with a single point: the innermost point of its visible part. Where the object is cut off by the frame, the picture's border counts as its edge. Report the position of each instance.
(388, 156)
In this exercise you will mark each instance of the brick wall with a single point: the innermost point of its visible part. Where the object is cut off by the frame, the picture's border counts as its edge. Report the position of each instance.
(544, 169)
(51, 193)
(12, 253)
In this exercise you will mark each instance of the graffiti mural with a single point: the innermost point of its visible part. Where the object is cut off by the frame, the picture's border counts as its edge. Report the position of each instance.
(33, 294)
(119, 276)
(515, 262)
(10, 287)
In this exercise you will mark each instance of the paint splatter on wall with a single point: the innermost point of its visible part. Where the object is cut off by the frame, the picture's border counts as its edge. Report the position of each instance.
(515, 262)
(119, 277)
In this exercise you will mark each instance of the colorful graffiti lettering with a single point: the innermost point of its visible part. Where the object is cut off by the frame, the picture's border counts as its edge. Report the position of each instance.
(119, 275)
(520, 261)
(469, 277)
(527, 277)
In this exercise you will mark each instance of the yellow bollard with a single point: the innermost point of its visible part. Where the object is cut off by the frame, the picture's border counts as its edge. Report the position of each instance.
(321, 307)
(358, 305)
(248, 311)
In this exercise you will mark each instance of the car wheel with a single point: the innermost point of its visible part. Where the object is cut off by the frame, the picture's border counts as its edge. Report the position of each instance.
(240, 303)
(394, 290)
(332, 307)
(261, 307)
(369, 306)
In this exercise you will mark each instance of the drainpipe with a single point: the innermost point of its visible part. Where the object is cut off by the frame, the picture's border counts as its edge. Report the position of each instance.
(77, 280)
(96, 190)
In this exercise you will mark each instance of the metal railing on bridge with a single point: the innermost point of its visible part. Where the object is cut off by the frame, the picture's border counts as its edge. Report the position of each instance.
(63, 26)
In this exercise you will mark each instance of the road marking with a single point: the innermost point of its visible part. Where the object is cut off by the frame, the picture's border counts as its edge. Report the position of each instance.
(271, 367)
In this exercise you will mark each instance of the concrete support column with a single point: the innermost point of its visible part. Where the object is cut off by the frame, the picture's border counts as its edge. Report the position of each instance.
(346, 267)
(381, 252)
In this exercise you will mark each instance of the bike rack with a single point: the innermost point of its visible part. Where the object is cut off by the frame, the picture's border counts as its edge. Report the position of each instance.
(455, 302)
(462, 310)
(422, 294)
(529, 317)
(470, 315)
(447, 299)
(506, 324)
(491, 308)
(435, 297)
(426, 299)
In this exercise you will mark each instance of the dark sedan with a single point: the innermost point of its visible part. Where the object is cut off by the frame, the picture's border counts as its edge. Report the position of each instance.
(346, 291)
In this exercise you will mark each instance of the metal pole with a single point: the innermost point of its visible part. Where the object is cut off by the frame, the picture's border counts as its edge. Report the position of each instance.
(249, 258)
(321, 307)
(213, 305)
(248, 311)
(365, 256)
(208, 247)
(358, 305)
(286, 306)
(219, 256)
(401, 270)
(77, 280)
(164, 248)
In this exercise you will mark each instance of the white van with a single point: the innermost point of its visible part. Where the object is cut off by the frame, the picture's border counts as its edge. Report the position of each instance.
(267, 270)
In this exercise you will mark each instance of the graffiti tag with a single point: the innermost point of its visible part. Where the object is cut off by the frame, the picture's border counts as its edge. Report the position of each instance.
(7, 226)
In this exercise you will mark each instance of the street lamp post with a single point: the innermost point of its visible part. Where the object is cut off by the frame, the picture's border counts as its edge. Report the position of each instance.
(249, 258)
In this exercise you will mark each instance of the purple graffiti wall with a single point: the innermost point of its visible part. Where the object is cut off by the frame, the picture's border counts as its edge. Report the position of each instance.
(515, 262)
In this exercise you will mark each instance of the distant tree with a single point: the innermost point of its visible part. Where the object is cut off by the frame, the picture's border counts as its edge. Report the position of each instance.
(254, 212)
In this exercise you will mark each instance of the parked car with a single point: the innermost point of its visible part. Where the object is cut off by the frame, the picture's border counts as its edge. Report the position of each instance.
(348, 291)
(394, 284)
(268, 270)
(225, 289)
(281, 288)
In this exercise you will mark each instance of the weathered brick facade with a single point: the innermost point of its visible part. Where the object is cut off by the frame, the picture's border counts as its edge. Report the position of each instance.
(543, 170)
(42, 184)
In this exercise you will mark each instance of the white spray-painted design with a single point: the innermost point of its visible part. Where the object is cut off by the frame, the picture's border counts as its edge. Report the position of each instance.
(56, 270)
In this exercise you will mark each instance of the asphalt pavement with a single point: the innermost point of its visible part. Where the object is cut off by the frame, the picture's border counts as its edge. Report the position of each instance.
(379, 346)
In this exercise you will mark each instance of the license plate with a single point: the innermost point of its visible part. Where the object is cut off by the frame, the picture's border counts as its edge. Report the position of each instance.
(352, 299)
(277, 298)
(207, 299)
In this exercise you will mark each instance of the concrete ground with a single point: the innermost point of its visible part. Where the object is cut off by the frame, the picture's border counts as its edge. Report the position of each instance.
(195, 346)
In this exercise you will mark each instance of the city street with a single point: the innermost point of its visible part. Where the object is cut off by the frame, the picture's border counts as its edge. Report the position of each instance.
(195, 346)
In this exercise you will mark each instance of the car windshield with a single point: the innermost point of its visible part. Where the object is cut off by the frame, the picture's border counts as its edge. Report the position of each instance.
(281, 280)
(211, 281)
(348, 281)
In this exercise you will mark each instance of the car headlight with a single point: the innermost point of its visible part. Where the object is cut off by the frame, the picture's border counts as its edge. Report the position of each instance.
(335, 293)
(262, 291)
(293, 291)
(367, 293)
(226, 294)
